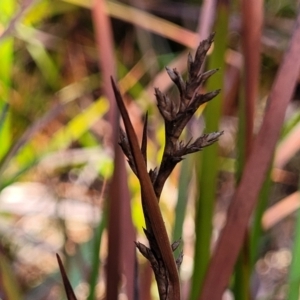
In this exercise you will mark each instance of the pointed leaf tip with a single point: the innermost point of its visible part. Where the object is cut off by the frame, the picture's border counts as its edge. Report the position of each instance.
(68, 288)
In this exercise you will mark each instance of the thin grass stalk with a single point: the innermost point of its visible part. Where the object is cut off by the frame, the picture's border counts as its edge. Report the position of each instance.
(46, 64)
(182, 199)
(95, 255)
(8, 282)
(145, 282)
(7, 8)
(207, 176)
(206, 18)
(294, 271)
(241, 276)
(252, 16)
(252, 19)
(246, 195)
(119, 203)
(256, 233)
(291, 125)
(19, 143)
(24, 154)
(241, 288)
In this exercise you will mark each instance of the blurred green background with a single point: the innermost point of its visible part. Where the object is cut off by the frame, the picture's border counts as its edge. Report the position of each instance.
(56, 154)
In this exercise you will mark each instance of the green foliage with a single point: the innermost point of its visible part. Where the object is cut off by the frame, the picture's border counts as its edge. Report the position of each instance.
(52, 103)
(294, 274)
(208, 169)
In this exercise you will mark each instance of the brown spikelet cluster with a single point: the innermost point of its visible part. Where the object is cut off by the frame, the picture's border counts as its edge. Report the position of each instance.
(176, 116)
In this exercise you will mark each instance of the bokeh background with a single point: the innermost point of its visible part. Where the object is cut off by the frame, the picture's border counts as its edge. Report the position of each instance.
(58, 131)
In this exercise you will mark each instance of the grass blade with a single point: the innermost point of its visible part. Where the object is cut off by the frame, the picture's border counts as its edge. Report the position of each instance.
(8, 283)
(67, 134)
(119, 220)
(68, 288)
(209, 168)
(251, 15)
(254, 175)
(45, 63)
(281, 210)
(257, 229)
(147, 21)
(7, 9)
(184, 180)
(96, 260)
(252, 18)
(294, 272)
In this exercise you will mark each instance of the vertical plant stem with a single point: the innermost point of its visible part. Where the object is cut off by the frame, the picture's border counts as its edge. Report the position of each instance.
(252, 15)
(119, 218)
(257, 165)
(96, 250)
(207, 179)
(252, 18)
(241, 289)
(294, 272)
(7, 9)
(242, 268)
(256, 230)
(184, 180)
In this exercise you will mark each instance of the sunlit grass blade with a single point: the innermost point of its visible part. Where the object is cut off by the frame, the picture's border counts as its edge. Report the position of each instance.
(291, 123)
(209, 166)
(279, 211)
(9, 285)
(40, 55)
(40, 10)
(288, 147)
(7, 9)
(146, 21)
(26, 137)
(130, 81)
(33, 151)
(78, 125)
(45, 63)
(8, 180)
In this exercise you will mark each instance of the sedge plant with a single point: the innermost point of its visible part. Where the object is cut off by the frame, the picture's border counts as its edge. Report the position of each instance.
(176, 116)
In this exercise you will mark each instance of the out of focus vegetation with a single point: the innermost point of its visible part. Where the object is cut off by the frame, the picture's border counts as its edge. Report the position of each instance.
(56, 154)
